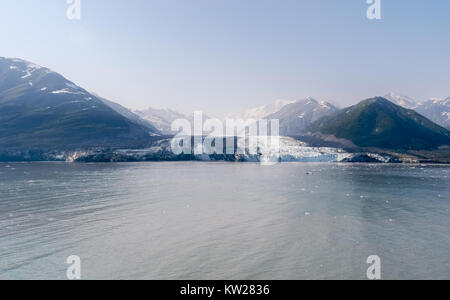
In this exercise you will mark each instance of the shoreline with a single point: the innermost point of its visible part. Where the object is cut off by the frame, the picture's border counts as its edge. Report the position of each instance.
(227, 162)
(289, 150)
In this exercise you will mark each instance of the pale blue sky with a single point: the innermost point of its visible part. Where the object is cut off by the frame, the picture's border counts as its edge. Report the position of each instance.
(223, 56)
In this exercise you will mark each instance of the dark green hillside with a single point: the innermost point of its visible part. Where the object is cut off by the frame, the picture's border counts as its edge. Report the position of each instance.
(40, 109)
(380, 123)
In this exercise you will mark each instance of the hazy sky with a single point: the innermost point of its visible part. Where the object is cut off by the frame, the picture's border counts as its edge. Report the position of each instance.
(223, 56)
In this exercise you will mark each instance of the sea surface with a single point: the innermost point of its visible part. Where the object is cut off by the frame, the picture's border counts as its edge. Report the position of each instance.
(194, 220)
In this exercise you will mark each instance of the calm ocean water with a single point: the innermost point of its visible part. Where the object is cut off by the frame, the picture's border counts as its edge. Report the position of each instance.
(224, 220)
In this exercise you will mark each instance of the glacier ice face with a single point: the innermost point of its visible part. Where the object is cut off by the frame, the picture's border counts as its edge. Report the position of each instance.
(292, 150)
(256, 149)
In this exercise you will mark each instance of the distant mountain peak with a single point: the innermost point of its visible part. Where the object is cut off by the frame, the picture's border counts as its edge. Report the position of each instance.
(440, 101)
(378, 122)
(402, 100)
(310, 98)
(377, 99)
(22, 76)
(437, 110)
(22, 65)
(261, 112)
(161, 118)
(295, 117)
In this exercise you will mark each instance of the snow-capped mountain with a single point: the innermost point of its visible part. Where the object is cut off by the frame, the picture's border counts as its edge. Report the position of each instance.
(402, 100)
(263, 111)
(437, 110)
(161, 118)
(40, 109)
(296, 117)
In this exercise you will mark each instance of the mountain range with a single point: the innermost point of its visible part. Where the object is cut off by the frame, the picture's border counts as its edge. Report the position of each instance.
(437, 110)
(41, 109)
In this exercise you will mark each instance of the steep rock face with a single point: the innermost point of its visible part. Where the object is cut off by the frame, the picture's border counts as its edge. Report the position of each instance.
(41, 109)
(380, 123)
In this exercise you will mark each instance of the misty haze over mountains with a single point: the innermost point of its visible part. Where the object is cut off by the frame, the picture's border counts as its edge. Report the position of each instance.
(40, 109)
